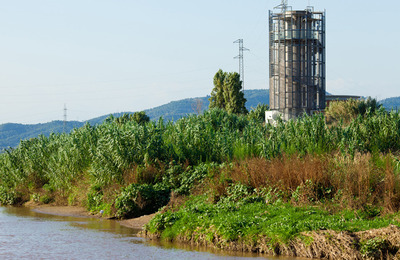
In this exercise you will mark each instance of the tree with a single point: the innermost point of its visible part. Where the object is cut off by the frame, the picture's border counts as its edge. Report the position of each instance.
(217, 99)
(197, 106)
(138, 117)
(348, 110)
(227, 93)
(141, 117)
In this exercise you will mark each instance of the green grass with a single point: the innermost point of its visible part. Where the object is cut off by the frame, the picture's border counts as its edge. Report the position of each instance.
(247, 221)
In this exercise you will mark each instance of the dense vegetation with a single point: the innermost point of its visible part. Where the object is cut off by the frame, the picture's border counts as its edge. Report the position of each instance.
(350, 110)
(223, 177)
(11, 134)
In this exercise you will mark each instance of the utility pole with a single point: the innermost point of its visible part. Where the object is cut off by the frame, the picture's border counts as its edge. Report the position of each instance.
(240, 57)
(65, 118)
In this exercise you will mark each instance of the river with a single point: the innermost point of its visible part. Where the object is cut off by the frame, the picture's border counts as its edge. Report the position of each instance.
(25, 234)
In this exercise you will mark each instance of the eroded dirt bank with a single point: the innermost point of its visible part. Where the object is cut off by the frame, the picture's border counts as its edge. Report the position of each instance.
(383, 243)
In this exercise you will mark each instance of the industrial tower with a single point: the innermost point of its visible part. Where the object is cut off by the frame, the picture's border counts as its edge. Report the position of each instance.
(296, 61)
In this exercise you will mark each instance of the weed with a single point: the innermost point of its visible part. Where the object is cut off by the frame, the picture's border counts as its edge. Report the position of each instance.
(374, 248)
(136, 200)
(46, 199)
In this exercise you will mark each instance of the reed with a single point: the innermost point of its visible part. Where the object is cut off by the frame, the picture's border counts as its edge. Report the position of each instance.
(285, 156)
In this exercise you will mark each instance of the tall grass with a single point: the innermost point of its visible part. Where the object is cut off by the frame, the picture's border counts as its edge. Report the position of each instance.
(338, 180)
(128, 152)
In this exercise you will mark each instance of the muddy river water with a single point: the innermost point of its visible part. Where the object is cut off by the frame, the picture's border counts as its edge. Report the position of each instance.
(25, 234)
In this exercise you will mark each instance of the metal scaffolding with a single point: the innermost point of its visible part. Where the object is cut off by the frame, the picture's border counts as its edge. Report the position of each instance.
(297, 61)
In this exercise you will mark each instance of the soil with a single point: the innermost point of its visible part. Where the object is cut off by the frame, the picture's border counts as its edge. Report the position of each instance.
(67, 211)
(74, 211)
(137, 223)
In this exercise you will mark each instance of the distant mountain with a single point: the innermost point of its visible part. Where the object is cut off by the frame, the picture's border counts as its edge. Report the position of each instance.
(177, 109)
(391, 103)
(11, 134)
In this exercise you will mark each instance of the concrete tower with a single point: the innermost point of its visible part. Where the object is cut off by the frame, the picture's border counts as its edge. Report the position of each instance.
(296, 62)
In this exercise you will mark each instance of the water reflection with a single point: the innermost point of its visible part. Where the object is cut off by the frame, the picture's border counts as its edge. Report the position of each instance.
(25, 234)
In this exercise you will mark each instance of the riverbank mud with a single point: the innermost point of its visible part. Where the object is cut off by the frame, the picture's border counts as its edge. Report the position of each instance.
(67, 211)
(74, 211)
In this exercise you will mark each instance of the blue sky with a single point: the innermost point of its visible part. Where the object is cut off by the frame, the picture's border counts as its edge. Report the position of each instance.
(103, 56)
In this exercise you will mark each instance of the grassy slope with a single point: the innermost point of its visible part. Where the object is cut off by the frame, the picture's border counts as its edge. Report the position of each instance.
(279, 229)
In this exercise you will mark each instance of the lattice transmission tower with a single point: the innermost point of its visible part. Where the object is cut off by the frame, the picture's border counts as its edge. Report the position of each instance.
(65, 118)
(240, 57)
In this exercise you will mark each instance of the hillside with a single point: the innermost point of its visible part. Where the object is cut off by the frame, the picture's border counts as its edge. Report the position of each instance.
(391, 103)
(177, 109)
(11, 134)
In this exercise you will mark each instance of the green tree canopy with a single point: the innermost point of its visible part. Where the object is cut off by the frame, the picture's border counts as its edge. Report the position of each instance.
(227, 93)
(139, 117)
(348, 110)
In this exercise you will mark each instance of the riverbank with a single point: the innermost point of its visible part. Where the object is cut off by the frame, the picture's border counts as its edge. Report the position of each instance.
(75, 211)
(380, 243)
(383, 243)
(281, 229)
(66, 211)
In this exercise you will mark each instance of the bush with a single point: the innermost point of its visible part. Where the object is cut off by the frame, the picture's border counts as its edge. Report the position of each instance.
(374, 248)
(94, 200)
(7, 197)
(182, 180)
(137, 200)
(347, 111)
(258, 113)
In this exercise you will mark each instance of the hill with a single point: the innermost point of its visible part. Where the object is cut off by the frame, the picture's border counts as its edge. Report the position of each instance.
(177, 109)
(391, 103)
(11, 134)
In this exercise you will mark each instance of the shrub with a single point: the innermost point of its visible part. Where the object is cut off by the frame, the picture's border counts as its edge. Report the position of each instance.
(258, 113)
(375, 248)
(347, 111)
(7, 197)
(137, 200)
